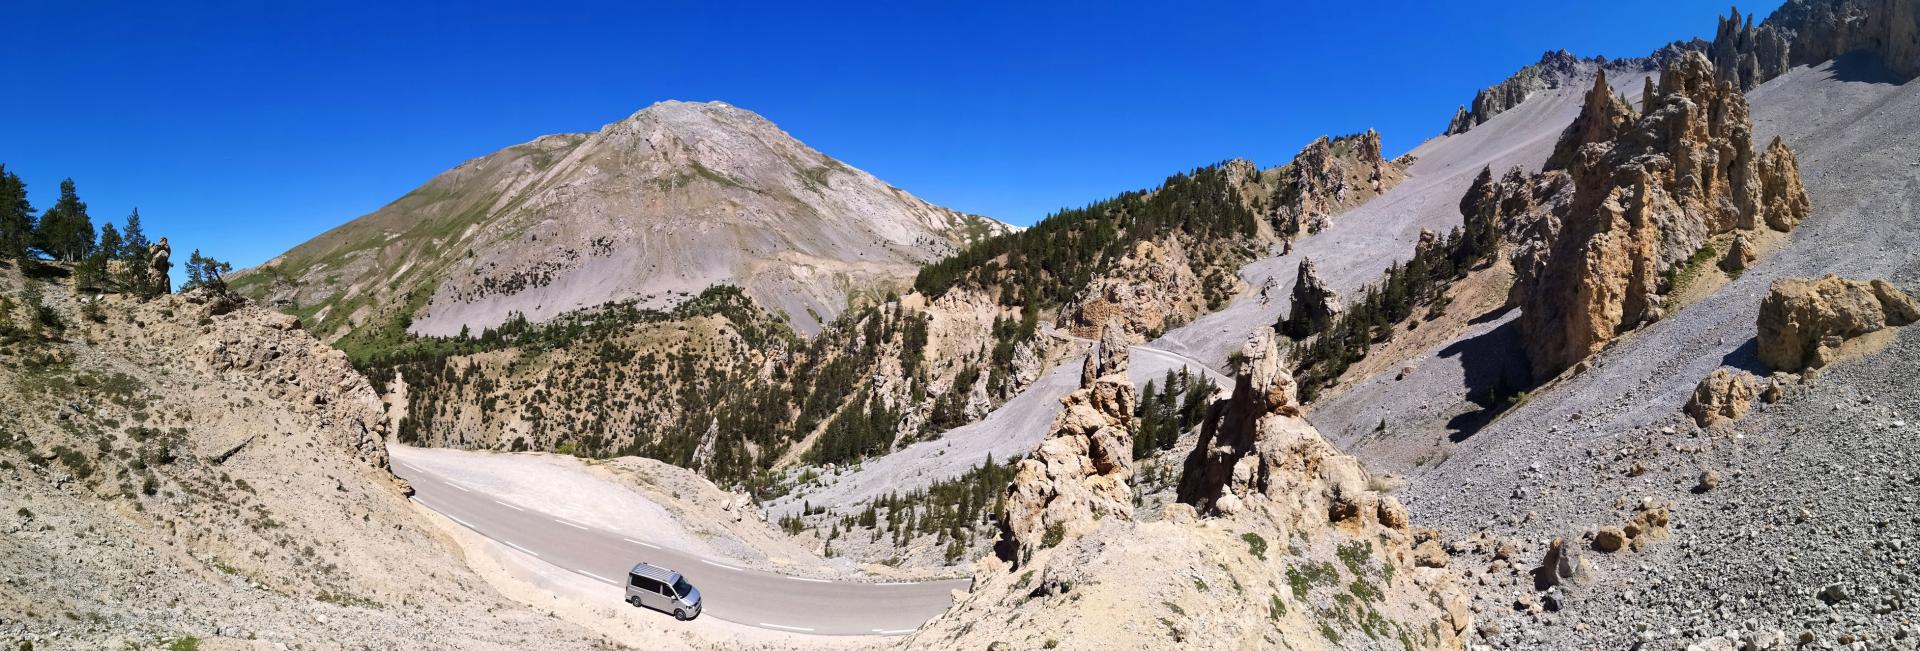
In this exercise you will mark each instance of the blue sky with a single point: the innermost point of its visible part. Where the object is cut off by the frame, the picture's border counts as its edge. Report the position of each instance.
(244, 128)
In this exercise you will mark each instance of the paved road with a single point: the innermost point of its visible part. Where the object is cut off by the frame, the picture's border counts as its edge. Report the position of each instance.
(736, 594)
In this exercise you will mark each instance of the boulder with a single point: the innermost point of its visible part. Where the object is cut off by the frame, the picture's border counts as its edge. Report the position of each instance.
(1739, 255)
(1709, 480)
(1563, 565)
(1609, 539)
(1722, 397)
(1802, 321)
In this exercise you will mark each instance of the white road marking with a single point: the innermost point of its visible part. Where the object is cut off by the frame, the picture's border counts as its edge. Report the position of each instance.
(790, 628)
(899, 583)
(646, 545)
(570, 524)
(802, 578)
(463, 489)
(535, 554)
(719, 565)
(463, 523)
(897, 631)
(602, 579)
(510, 506)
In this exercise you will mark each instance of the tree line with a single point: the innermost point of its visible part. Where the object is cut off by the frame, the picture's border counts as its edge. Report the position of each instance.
(108, 259)
(1049, 264)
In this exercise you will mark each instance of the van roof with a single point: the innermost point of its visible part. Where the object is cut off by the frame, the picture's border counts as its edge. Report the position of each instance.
(655, 572)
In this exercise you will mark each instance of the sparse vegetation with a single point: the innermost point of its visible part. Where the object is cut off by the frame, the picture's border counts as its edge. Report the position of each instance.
(1054, 534)
(1422, 280)
(1256, 545)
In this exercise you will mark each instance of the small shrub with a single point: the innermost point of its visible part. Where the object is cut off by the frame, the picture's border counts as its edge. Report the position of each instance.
(1356, 555)
(1055, 533)
(1255, 545)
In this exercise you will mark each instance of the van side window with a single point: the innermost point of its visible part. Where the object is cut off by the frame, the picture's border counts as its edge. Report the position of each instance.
(635, 581)
(663, 589)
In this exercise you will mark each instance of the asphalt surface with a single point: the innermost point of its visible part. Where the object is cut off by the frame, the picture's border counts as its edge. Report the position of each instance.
(736, 594)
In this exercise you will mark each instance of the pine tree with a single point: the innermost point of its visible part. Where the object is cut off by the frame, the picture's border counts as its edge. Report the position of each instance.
(110, 242)
(206, 272)
(65, 232)
(16, 217)
(135, 247)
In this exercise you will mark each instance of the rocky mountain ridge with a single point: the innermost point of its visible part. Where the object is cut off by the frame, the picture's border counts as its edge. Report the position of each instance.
(1807, 32)
(654, 208)
(1555, 69)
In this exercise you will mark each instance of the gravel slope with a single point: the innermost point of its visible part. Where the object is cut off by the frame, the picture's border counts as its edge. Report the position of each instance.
(1556, 464)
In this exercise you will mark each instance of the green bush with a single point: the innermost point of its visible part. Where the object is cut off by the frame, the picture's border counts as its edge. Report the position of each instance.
(1255, 545)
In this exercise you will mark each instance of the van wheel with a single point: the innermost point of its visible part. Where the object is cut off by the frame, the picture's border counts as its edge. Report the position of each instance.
(680, 614)
(633, 601)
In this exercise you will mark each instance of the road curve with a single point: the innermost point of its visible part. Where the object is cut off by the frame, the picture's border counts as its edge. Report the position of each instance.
(736, 594)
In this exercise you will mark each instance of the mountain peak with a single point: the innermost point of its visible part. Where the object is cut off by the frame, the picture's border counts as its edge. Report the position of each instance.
(652, 209)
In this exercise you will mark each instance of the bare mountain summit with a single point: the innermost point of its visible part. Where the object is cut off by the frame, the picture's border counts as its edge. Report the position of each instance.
(651, 209)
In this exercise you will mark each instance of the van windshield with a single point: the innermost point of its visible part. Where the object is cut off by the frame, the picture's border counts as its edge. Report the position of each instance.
(680, 587)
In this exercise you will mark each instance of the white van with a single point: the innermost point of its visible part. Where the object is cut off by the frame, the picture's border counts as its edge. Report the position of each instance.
(664, 590)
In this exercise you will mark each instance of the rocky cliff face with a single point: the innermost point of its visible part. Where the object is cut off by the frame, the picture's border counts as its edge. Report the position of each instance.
(1644, 193)
(1078, 476)
(1806, 32)
(1329, 176)
(1556, 69)
(1149, 290)
(654, 208)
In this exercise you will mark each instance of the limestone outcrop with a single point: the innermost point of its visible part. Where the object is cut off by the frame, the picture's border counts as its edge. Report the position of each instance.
(1746, 55)
(1331, 175)
(1642, 193)
(1275, 527)
(1256, 447)
(1149, 289)
(1078, 476)
(1722, 397)
(1808, 32)
(1803, 321)
(1315, 304)
(1554, 69)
